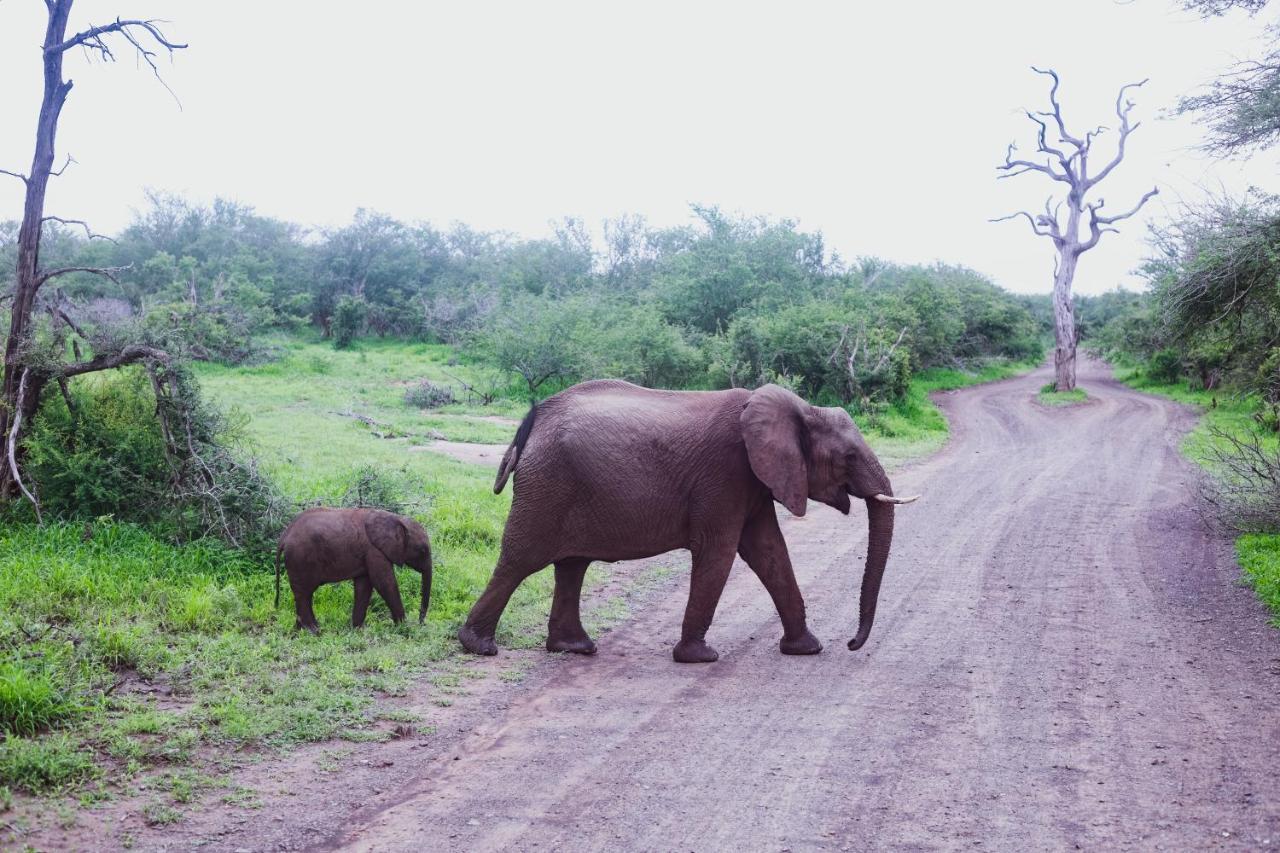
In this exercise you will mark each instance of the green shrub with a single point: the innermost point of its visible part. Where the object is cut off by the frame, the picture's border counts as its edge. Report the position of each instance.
(119, 451)
(429, 395)
(106, 456)
(1165, 366)
(382, 488)
(348, 319)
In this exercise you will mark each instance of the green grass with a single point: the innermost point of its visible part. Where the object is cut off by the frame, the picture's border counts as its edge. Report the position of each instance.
(1233, 413)
(197, 620)
(1259, 556)
(914, 426)
(1049, 395)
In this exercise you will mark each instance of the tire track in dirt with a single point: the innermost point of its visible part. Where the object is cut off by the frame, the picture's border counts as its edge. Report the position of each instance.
(1062, 657)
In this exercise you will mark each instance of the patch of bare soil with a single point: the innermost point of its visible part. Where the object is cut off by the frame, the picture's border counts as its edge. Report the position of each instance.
(476, 454)
(1063, 657)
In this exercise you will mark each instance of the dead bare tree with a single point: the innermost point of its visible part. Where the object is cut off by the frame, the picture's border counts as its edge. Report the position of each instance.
(24, 374)
(1068, 162)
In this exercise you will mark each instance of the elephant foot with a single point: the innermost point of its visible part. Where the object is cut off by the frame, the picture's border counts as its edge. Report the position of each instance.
(694, 651)
(576, 645)
(475, 642)
(805, 644)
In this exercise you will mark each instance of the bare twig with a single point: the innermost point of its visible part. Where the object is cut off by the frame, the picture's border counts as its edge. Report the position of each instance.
(58, 173)
(17, 175)
(1244, 488)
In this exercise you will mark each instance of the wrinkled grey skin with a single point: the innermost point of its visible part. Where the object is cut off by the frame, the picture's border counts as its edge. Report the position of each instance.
(609, 471)
(325, 545)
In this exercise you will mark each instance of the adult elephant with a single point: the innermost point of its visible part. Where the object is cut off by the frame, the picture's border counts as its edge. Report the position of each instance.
(610, 471)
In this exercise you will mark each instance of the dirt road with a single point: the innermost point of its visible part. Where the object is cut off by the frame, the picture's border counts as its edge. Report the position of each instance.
(1063, 657)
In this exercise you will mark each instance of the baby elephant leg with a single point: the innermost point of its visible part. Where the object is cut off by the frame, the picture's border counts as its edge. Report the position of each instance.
(302, 595)
(364, 592)
(383, 578)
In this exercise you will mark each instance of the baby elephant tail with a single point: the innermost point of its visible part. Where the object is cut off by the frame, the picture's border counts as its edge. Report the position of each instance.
(279, 548)
(512, 456)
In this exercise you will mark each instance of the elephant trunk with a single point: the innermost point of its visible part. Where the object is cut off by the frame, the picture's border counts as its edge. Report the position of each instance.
(879, 538)
(426, 590)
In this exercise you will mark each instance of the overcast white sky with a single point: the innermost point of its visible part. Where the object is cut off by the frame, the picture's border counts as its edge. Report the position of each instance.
(878, 124)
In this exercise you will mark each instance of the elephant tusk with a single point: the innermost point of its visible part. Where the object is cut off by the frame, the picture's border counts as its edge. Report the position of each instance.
(892, 500)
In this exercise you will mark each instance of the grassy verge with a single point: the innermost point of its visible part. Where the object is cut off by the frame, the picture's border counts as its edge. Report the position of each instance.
(127, 656)
(1258, 553)
(1259, 556)
(1049, 395)
(914, 426)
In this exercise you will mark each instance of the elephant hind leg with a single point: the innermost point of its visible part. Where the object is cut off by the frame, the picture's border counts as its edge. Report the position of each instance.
(564, 629)
(711, 565)
(302, 596)
(477, 633)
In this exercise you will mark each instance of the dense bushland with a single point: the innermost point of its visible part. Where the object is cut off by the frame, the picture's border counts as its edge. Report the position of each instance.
(726, 301)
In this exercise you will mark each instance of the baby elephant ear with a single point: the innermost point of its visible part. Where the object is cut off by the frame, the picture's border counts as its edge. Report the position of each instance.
(387, 533)
(773, 425)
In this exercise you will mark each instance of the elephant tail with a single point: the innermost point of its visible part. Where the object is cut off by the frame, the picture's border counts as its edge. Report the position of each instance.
(279, 548)
(512, 456)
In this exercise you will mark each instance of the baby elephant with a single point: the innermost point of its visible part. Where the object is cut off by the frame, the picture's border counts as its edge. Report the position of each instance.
(325, 545)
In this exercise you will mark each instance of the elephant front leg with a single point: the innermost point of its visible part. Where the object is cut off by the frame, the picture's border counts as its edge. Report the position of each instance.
(765, 551)
(383, 577)
(710, 571)
(564, 630)
(364, 592)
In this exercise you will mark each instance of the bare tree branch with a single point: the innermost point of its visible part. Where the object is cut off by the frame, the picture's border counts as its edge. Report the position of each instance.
(1025, 166)
(1034, 220)
(1107, 220)
(92, 38)
(130, 354)
(89, 233)
(57, 313)
(17, 175)
(1056, 112)
(131, 30)
(1122, 111)
(13, 444)
(1043, 144)
(107, 272)
(1098, 225)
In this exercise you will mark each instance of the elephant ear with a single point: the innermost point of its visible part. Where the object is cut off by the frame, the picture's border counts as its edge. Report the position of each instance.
(773, 428)
(386, 532)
